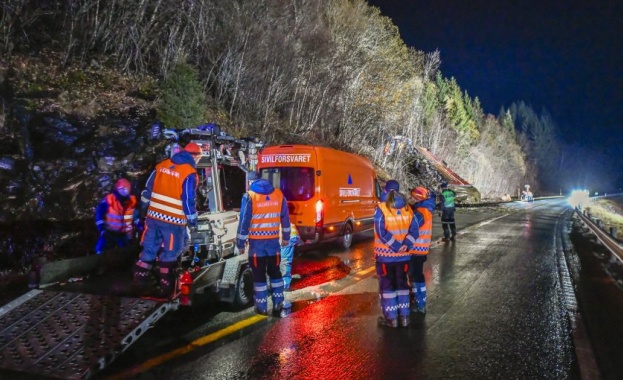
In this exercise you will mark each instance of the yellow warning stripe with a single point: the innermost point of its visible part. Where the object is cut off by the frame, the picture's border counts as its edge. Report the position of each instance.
(365, 271)
(158, 360)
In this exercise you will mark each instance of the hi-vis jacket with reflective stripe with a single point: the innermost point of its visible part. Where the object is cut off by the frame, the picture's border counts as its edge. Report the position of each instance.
(447, 198)
(170, 190)
(393, 228)
(422, 243)
(266, 215)
(120, 217)
(263, 212)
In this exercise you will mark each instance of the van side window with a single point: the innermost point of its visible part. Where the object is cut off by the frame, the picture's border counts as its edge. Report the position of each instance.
(296, 183)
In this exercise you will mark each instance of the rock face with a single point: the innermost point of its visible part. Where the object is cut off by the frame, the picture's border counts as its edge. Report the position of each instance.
(58, 161)
(55, 167)
(466, 194)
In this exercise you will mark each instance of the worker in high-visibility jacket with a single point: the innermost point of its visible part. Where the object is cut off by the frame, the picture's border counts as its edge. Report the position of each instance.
(115, 217)
(263, 211)
(169, 204)
(395, 232)
(447, 206)
(422, 202)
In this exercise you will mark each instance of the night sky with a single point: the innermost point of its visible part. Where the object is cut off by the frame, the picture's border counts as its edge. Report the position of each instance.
(565, 56)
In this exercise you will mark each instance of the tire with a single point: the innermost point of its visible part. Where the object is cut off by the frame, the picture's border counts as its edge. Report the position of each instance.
(346, 240)
(244, 288)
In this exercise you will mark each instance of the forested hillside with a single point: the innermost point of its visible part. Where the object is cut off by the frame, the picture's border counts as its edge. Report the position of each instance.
(332, 72)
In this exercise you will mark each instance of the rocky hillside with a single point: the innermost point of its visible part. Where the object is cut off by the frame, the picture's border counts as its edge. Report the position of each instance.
(68, 134)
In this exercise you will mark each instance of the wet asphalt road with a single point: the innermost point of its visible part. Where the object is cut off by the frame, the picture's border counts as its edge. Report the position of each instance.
(499, 307)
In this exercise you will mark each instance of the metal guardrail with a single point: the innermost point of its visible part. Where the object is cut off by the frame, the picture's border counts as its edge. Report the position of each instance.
(500, 202)
(607, 240)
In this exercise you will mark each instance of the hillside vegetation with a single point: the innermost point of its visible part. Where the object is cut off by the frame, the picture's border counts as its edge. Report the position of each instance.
(334, 73)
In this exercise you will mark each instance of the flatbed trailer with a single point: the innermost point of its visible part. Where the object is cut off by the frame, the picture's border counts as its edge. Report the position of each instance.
(69, 335)
(75, 328)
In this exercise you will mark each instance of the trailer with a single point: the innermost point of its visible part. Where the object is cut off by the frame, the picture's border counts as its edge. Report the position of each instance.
(72, 330)
(69, 335)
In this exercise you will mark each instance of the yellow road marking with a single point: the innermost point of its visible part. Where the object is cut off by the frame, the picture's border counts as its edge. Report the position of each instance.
(158, 360)
(365, 271)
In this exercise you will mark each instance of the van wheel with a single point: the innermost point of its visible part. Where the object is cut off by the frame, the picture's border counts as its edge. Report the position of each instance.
(244, 287)
(346, 240)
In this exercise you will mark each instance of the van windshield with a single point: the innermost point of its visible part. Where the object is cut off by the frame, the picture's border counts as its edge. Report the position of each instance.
(296, 183)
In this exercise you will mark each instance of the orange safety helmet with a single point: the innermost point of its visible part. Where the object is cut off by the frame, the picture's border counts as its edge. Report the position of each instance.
(193, 148)
(123, 186)
(420, 193)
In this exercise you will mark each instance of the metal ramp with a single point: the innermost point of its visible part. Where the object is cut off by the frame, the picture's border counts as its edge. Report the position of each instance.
(70, 335)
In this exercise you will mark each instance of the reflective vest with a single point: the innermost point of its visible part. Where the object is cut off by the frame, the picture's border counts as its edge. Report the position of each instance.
(422, 243)
(397, 221)
(265, 215)
(165, 203)
(447, 198)
(119, 216)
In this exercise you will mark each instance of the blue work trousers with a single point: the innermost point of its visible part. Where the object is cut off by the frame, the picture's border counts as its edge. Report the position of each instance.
(109, 240)
(264, 258)
(161, 235)
(393, 288)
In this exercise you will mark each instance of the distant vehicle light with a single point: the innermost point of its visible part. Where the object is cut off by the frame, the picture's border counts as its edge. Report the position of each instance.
(579, 198)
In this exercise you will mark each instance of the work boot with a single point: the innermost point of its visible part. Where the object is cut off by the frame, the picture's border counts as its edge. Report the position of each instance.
(282, 310)
(142, 279)
(452, 238)
(168, 277)
(393, 323)
(261, 312)
(420, 297)
(414, 308)
(404, 321)
(277, 310)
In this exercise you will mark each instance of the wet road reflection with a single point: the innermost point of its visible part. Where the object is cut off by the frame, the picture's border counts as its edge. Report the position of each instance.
(495, 312)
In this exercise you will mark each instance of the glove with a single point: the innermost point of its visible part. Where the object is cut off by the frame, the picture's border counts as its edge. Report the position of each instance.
(239, 251)
(192, 225)
(285, 243)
